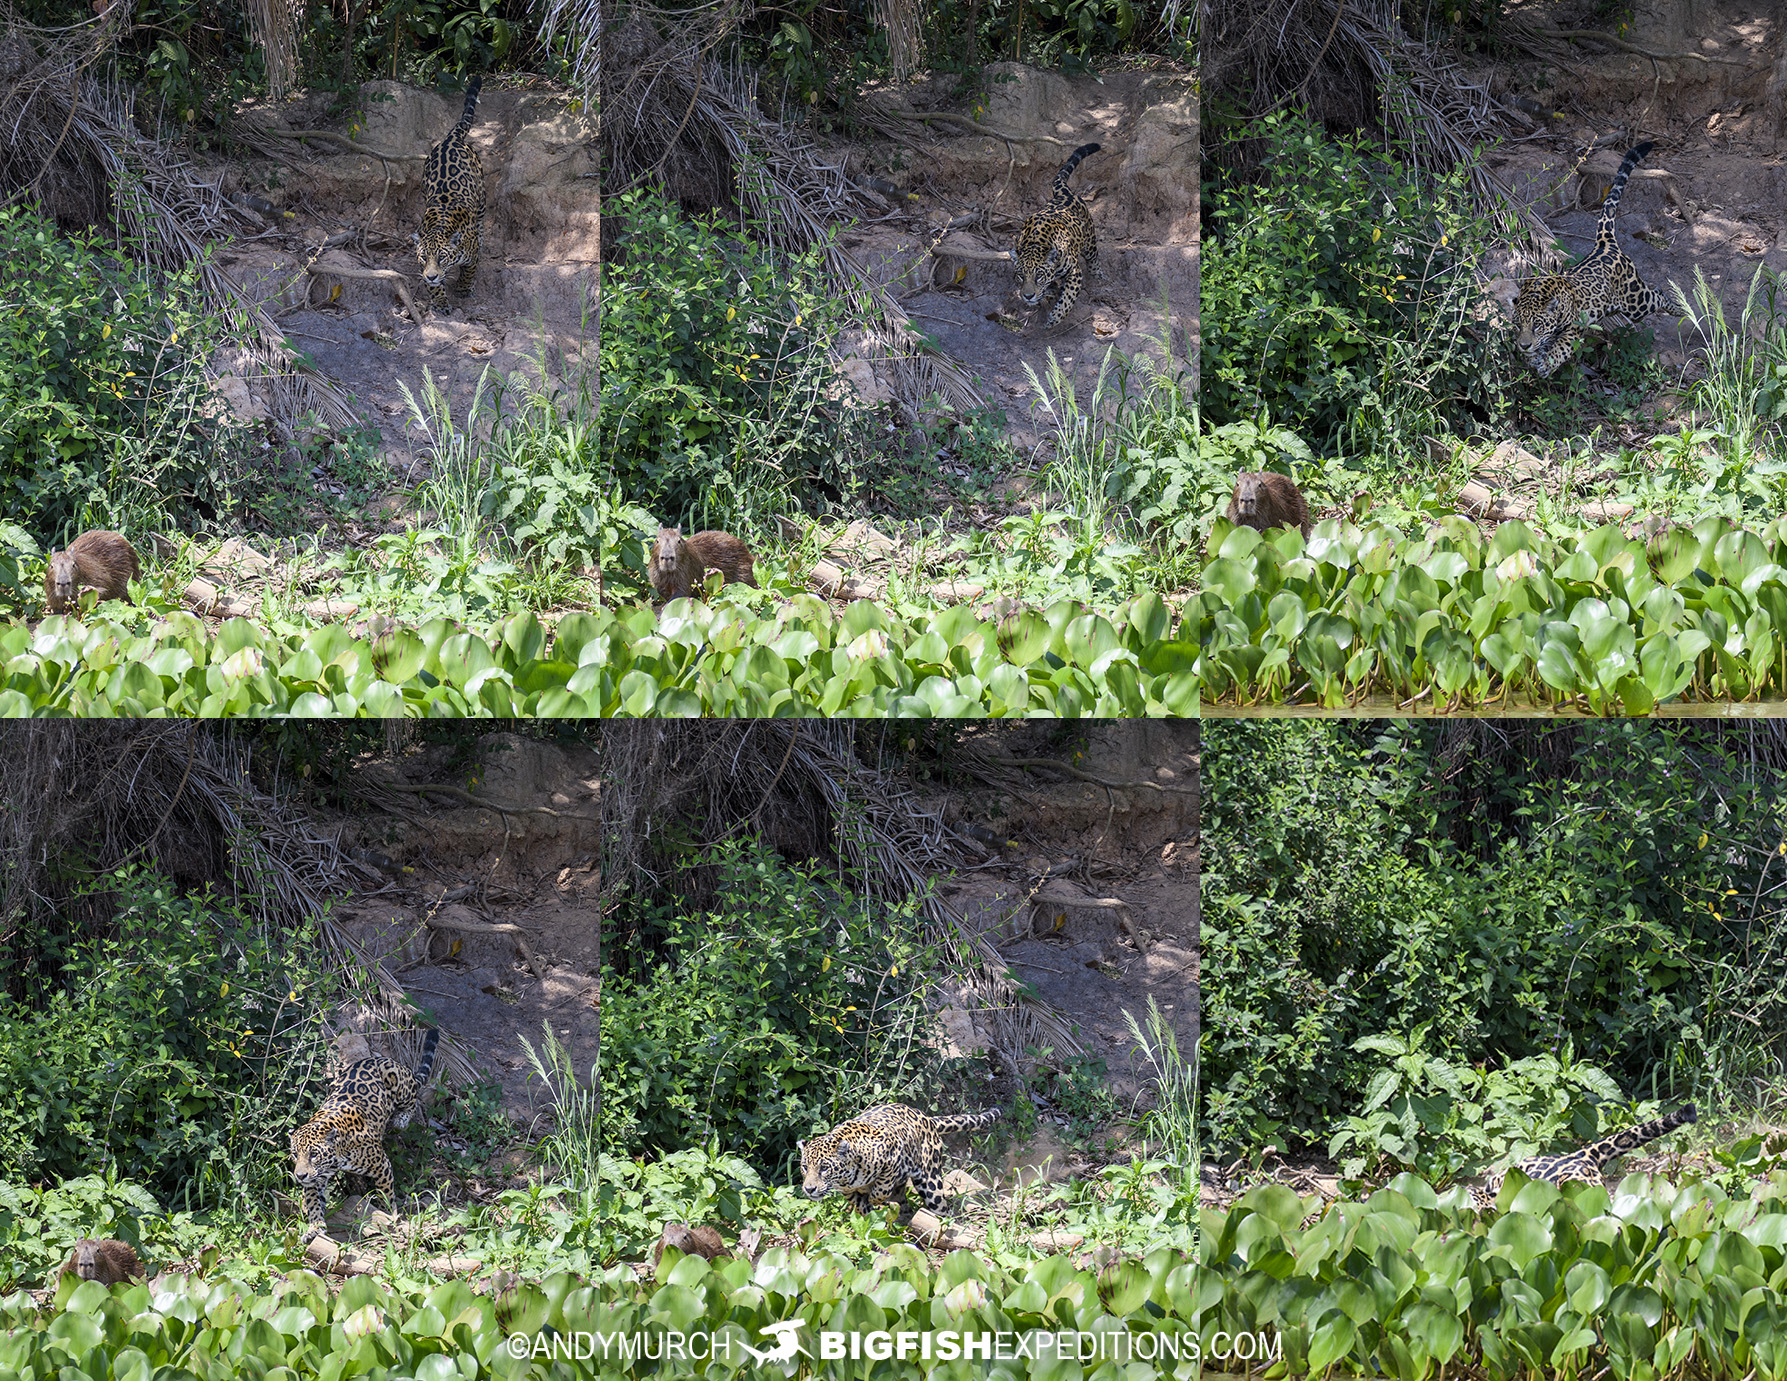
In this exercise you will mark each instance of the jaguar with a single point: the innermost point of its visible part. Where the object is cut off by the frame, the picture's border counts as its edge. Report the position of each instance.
(1604, 284)
(453, 207)
(881, 1152)
(369, 1096)
(1057, 243)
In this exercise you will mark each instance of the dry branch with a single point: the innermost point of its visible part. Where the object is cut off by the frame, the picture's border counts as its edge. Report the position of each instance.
(392, 275)
(71, 144)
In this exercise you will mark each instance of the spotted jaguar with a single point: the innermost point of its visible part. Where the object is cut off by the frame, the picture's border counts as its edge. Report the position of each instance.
(453, 207)
(1604, 284)
(1057, 244)
(369, 1096)
(881, 1152)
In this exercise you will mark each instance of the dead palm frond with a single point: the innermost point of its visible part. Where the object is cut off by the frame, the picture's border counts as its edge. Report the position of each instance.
(69, 142)
(275, 25)
(1349, 62)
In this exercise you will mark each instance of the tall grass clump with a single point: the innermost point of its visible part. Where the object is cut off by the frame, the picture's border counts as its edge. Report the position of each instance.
(571, 1145)
(1173, 1118)
(517, 506)
(1744, 389)
(1124, 473)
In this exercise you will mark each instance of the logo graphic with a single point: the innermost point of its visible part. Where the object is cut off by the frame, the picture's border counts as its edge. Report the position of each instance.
(786, 1343)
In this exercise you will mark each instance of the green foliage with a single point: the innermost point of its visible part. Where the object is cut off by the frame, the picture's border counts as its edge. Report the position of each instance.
(698, 1184)
(1369, 951)
(517, 506)
(695, 659)
(1127, 472)
(153, 1063)
(1574, 1282)
(1597, 621)
(39, 1227)
(1080, 1088)
(103, 390)
(299, 1329)
(716, 371)
(1437, 1118)
(1744, 389)
(414, 1328)
(1338, 296)
(777, 1016)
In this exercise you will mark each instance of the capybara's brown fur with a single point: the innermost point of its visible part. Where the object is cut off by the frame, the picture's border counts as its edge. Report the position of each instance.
(104, 560)
(678, 564)
(1264, 500)
(703, 1241)
(106, 1260)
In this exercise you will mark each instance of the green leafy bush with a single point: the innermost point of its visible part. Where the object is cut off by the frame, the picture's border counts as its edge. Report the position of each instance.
(106, 413)
(785, 1011)
(1340, 293)
(718, 384)
(153, 1063)
(1469, 971)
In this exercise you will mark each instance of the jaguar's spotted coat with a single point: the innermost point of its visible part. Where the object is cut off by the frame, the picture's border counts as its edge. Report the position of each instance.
(453, 210)
(1057, 243)
(1604, 284)
(369, 1096)
(1587, 1162)
(877, 1154)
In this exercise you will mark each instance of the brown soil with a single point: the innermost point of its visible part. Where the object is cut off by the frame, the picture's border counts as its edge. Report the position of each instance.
(536, 272)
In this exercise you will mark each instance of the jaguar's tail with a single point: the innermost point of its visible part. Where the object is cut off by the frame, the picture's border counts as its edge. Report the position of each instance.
(471, 104)
(1072, 163)
(1615, 192)
(967, 1121)
(1606, 1149)
(432, 1039)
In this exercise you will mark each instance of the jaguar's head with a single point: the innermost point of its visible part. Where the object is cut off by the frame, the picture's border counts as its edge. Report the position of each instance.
(437, 250)
(825, 1165)
(1036, 272)
(315, 1159)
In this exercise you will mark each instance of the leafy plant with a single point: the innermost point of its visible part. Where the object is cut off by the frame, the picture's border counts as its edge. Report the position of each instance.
(154, 1065)
(1339, 295)
(716, 371)
(780, 1014)
(694, 659)
(106, 413)
(1598, 621)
